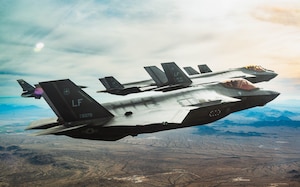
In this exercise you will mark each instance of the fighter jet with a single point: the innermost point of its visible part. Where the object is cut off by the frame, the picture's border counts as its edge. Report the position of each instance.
(29, 90)
(80, 116)
(252, 73)
(113, 86)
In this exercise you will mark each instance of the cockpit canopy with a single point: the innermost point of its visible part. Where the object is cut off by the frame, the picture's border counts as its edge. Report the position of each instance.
(256, 68)
(241, 84)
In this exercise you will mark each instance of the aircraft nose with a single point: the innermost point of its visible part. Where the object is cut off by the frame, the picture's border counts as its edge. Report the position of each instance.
(275, 94)
(270, 75)
(271, 96)
(273, 75)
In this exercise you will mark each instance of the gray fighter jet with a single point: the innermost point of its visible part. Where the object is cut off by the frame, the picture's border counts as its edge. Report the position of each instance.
(80, 116)
(113, 86)
(252, 73)
(29, 90)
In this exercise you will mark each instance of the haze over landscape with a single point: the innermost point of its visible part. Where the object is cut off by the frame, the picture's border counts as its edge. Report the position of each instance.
(85, 40)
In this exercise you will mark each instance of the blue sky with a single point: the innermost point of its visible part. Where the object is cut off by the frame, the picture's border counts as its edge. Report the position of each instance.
(85, 40)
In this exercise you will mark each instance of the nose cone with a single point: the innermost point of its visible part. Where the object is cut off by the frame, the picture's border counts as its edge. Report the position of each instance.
(260, 77)
(274, 94)
(268, 75)
(269, 96)
(272, 74)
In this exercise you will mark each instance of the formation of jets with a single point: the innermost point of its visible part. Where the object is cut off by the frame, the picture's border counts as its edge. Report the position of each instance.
(177, 101)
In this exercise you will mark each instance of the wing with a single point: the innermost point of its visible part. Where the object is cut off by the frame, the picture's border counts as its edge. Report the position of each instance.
(171, 113)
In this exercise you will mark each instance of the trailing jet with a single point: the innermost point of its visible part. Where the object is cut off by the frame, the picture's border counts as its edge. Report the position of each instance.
(252, 73)
(29, 90)
(80, 116)
(113, 86)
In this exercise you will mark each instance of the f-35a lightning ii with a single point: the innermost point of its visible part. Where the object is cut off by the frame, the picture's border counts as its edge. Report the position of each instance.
(80, 116)
(252, 73)
(29, 90)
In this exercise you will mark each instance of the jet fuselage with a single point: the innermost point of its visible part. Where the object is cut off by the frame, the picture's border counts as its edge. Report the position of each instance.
(201, 111)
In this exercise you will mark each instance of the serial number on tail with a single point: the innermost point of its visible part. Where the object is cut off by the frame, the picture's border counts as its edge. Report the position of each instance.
(86, 115)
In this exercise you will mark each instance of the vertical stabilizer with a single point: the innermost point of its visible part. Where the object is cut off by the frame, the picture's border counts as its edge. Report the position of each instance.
(25, 86)
(110, 83)
(204, 68)
(190, 70)
(71, 103)
(157, 75)
(175, 75)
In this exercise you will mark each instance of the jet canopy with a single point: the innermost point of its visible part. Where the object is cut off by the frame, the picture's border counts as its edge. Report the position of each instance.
(256, 68)
(241, 84)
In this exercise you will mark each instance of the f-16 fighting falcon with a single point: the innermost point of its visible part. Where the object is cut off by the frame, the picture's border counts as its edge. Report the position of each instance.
(252, 73)
(178, 105)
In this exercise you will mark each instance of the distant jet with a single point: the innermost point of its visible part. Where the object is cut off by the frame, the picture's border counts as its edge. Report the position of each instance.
(252, 73)
(113, 86)
(80, 116)
(29, 90)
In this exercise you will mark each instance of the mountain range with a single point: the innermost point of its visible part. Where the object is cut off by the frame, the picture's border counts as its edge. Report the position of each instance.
(16, 116)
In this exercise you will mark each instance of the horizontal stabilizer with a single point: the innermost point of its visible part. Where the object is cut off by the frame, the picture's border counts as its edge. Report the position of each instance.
(43, 124)
(57, 129)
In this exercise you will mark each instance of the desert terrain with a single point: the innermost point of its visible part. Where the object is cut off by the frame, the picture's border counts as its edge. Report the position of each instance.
(172, 158)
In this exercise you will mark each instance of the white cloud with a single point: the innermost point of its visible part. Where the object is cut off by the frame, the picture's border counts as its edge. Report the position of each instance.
(85, 40)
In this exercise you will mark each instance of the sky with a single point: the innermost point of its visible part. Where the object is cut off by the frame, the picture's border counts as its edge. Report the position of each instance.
(85, 40)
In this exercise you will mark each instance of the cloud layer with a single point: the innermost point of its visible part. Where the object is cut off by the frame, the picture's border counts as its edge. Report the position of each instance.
(85, 40)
